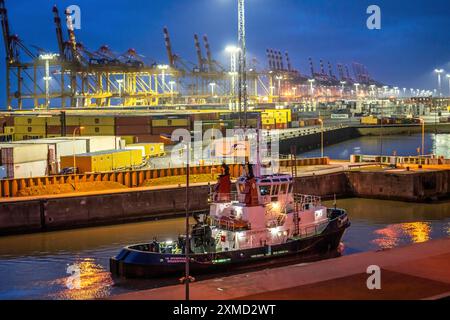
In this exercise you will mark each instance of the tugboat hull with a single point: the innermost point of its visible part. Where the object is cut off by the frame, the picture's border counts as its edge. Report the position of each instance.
(138, 262)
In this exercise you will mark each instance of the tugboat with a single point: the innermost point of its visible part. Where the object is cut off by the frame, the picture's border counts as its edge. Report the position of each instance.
(261, 223)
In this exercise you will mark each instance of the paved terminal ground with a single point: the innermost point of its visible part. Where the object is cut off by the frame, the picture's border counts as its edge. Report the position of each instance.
(419, 271)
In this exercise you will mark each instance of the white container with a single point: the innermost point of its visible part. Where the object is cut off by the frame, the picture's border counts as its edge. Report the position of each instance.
(96, 143)
(27, 170)
(19, 153)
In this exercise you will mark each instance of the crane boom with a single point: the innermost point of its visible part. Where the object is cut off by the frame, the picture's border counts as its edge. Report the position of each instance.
(6, 33)
(208, 53)
(169, 47)
(199, 52)
(59, 35)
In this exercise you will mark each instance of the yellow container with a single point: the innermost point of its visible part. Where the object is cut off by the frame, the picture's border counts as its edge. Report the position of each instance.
(369, 120)
(178, 122)
(128, 139)
(54, 121)
(170, 123)
(268, 121)
(98, 131)
(32, 130)
(151, 149)
(94, 162)
(97, 121)
(160, 123)
(29, 121)
(9, 130)
(126, 159)
(72, 121)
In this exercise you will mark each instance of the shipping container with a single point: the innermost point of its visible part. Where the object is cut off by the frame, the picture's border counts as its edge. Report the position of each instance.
(54, 121)
(151, 149)
(58, 149)
(96, 143)
(103, 161)
(132, 121)
(126, 159)
(27, 169)
(97, 121)
(3, 173)
(133, 130)
(97, 130)
(22, 153)
(31, 129)
(73, 121)
(170, 122)
(8, 130)
(29, 121)
(128, 139)
(166, 130)
(152, 139)
(140, 148)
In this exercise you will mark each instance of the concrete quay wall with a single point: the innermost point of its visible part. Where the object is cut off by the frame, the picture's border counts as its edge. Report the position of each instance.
(54, 213)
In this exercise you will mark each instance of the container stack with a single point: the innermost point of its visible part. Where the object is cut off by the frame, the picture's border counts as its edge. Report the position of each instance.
(104, 161)
(58, 149)
(25, 161)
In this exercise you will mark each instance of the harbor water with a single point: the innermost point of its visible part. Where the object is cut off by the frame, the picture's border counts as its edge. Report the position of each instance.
(402, 145)
(36, 266)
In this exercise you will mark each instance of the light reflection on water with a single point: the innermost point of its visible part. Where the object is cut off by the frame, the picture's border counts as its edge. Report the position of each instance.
(35, 266)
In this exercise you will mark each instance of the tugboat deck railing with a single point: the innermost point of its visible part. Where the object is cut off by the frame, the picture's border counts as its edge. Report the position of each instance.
(304, 201)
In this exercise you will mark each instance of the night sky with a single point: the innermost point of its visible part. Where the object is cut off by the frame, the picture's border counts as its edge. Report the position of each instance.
(413, 41)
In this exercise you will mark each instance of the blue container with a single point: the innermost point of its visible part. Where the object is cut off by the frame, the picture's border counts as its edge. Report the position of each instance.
(2, 172)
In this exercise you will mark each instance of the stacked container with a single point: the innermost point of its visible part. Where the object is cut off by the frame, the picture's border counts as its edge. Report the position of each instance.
(25, 161)
(58, 149)
(104, 161)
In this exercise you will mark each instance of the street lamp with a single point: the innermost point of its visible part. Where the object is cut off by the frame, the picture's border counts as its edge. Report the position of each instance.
(187, 277)
(356, 88)
(422, 122)
(233, 51)
(294, 89)
(172, 84)
(279, 78)
(212, 85)
(74, 154)
(448, 77)
(311, 82)
(47, 57)
(343, 83)
(163, 68)
(439, 73)
(373, 89)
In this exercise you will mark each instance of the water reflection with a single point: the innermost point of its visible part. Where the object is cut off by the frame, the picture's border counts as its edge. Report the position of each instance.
(394, 235)
(94, 282)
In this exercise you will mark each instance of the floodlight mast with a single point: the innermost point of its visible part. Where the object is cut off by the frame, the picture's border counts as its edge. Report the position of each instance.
(242, 64)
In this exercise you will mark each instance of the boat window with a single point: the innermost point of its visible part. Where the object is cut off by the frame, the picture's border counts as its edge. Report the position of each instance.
(275, 190)
(264, 190)
(283, 188)
(291, 188)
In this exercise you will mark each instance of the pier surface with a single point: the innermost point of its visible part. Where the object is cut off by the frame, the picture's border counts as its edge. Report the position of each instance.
(419, 271)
